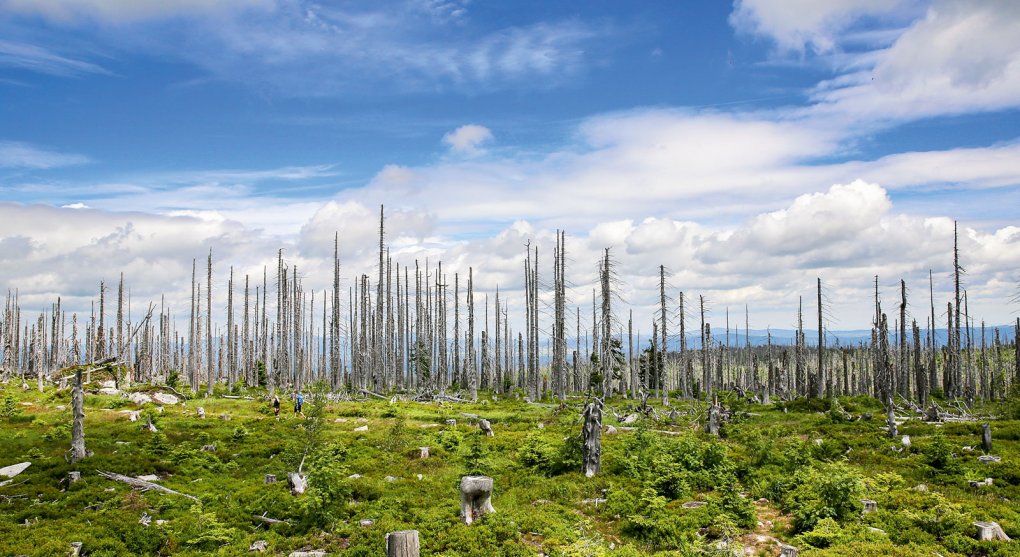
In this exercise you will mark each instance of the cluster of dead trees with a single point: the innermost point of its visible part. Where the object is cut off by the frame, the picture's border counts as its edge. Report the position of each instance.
(410, 331)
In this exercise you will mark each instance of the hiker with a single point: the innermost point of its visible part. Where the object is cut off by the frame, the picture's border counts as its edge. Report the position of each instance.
(276, 406)
(299, 401)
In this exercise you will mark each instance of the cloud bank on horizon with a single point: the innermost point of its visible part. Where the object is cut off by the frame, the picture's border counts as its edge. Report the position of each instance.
(837, 140)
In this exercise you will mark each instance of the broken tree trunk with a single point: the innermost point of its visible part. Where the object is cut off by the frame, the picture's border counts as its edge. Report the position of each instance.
(592, 432)
(475, 497)
(714, 419)
(402, 544)
(486, 427)
(986, 437)
(990, 531)
(78, 450)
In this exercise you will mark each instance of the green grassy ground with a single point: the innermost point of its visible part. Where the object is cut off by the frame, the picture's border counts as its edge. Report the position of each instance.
(795, 476)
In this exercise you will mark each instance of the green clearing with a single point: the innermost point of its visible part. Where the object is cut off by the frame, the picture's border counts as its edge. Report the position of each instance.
(812, 467)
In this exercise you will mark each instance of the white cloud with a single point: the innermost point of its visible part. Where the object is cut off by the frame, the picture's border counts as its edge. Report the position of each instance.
(14, 154)
(468, 139)
(799, 24)
(126, 11)
(38, 59)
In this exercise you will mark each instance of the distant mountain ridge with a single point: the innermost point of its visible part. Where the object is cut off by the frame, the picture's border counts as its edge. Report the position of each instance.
(785, 337)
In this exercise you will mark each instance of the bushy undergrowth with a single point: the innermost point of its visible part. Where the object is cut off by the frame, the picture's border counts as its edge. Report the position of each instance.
(810, 463)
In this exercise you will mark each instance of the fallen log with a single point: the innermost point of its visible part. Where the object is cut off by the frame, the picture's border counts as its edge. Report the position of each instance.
(143, 485)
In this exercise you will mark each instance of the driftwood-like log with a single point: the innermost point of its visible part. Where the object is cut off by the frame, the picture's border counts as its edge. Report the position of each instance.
(475, 497)
(403, 544)
(143, 485)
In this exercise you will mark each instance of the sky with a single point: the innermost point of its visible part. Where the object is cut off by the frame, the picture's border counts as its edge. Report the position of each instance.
(749, 147)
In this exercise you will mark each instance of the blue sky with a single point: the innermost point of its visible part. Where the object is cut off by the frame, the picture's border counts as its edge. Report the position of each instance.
(748, 146)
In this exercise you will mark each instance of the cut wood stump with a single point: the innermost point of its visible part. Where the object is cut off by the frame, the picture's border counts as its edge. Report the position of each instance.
(297, 483)
(270, 478)
(486, 427)
(990, 531)
(475, 497)
(424, 454)
(403, 544)
(788, 551)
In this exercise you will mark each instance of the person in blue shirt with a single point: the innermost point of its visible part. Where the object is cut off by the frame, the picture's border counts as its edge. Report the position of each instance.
(299, 401)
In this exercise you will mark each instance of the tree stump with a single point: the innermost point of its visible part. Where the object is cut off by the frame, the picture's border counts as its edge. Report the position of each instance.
(424, 454)
(986, 437)
(149, 426)
(73, 477)
(451, 422)
(402, 544)
(990, 531)
(788, 551)
(475, 497)
(201, 412)
(270, 478)
(486, 427)
(75, 549)
(297, 483)
(209, 448)
(869, 506)
(714, 420)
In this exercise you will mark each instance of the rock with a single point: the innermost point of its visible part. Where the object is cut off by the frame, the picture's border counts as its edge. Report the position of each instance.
(139, 398)
(201, 412)
(610, 430)
(361, 428)
(541, 425)
(259, 546)
(209, 448)
(693, 504)
(362, 420)
(762, 501)
(922, 488)
(787, 551)
(424, 452)
(340, 420)
(420, 477)
(165, 398)
(630, 419)
(14, 469)
(161, 522)
(354, 477)
(149, 478)
(270, 478)
(986, 459)
(365, 523)
(308, 554)
(109, 391)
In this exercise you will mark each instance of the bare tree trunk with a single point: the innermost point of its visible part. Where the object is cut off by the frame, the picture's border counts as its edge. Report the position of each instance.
(592, 432)
(208, 326)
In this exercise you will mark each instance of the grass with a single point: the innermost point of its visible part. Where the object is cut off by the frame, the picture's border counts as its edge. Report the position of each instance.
(791, 458)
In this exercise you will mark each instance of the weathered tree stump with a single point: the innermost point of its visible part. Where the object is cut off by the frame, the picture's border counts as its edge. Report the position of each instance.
(424, 453)
(270, 478)
(714, 420)
(990, 531)
(209, 448)
(986, 437)
(402, 544)
(75, 549)
(475, 497)
(869, 506)
(201, 412)
(73, 477)
(486, 427)
(451, 422)
(297, 483)
(148, 425)
(788, 551)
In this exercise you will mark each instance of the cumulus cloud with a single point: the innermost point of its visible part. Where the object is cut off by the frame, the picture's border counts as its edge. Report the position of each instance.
(467, 139)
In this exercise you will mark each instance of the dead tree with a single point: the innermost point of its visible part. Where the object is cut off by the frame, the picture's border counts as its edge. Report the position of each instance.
(403, 544)
(592, 434)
